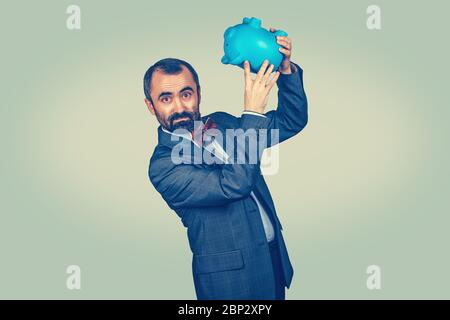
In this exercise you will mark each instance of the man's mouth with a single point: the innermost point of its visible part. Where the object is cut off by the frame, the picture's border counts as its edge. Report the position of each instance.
(180, 119)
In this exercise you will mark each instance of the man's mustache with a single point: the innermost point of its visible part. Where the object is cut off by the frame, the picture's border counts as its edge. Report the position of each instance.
(181, 115)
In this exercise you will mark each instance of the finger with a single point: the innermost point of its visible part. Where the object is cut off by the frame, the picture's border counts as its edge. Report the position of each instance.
(262, 70)
(286, 52)
(247, 76)
(273, 81)
(267, 74)
(284, 38)
(285, 44)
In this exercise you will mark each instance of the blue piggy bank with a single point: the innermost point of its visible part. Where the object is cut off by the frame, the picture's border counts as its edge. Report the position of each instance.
(249, 41)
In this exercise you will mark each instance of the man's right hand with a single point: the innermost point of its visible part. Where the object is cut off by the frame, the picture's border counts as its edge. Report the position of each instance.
(257, 91)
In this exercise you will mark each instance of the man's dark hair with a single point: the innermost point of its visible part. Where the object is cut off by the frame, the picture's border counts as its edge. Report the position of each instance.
(168, 66)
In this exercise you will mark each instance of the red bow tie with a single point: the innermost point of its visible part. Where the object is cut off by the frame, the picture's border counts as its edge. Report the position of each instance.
(198, 133)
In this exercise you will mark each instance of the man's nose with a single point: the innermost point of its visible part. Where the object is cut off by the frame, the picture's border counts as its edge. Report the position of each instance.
(179, 106)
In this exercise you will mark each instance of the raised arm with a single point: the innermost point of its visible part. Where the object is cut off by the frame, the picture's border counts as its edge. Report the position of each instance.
(291, 115)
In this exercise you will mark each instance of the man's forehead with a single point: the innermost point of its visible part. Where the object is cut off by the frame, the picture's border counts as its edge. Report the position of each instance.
(172, 82)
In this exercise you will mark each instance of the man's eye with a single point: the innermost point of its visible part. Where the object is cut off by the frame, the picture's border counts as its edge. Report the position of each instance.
(186, 95)
(165, 99)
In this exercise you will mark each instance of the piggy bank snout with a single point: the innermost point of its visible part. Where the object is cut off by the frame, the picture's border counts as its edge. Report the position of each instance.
(225, 60)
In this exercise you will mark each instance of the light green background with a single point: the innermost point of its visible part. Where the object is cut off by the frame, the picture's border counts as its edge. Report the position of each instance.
(367, 182)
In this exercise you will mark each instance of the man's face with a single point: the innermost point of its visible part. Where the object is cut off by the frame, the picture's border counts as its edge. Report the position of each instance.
(176, 99)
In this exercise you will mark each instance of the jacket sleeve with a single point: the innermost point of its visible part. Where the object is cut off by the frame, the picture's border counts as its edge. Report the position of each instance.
(187, 186)
(291, 115)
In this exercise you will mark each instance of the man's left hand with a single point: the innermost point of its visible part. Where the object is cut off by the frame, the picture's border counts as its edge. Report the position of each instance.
(286, 50)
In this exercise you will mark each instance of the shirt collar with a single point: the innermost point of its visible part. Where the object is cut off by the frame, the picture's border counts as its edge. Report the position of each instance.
(186, 135)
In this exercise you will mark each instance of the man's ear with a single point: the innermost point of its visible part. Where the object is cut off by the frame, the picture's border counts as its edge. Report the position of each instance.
(150, 106)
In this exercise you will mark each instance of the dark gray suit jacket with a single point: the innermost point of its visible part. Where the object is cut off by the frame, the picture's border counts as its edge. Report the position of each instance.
(231, 258)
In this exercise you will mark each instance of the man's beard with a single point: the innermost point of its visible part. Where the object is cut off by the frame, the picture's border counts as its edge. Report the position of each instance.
(187, 124)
